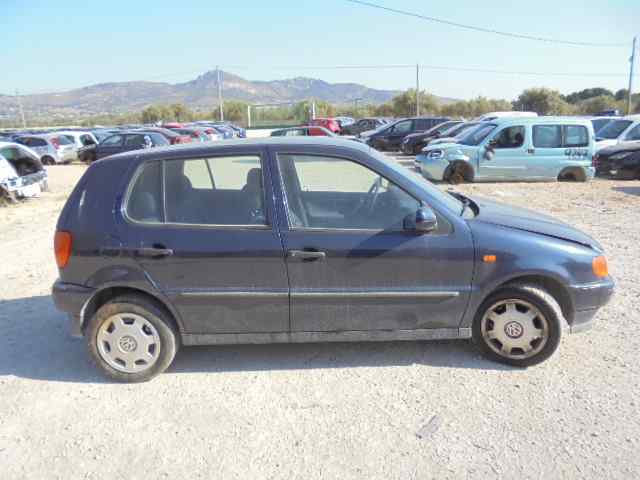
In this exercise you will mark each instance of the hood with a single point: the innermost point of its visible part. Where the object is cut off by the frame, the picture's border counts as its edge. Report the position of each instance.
(621, 147)
(522, 219)
(600, 144)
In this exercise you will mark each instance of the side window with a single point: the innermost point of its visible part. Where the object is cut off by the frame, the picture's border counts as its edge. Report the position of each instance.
(423, 124)
(38, 142)
(634, 133)
(215, 191)
(547, 136)
(510, 137)
(575, 136)
(328, 192)
(112, 141)
(134, 141)
(145, 199)
(402, 127)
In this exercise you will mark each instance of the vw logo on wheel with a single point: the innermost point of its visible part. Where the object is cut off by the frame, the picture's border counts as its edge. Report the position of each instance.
(513, 330)
(127, 343)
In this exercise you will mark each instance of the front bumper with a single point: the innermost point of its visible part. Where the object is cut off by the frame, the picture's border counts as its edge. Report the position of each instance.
(432, 169)
(587, 300)
(71, 299)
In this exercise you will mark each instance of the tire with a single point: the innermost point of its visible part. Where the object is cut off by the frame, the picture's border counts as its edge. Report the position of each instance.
(548, 320)
(417, 149)
(46, 160)
(109, 336)
(454, 175)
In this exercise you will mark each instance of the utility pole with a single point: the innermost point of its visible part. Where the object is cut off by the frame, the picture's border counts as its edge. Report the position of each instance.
(220, 104)
(417, 90)
(248, 116)
(24, 123)
(632, 60)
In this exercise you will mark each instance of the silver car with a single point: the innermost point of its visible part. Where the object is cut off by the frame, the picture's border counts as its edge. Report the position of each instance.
(53, 148)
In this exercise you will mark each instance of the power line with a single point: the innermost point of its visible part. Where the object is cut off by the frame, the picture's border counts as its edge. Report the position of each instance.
(483, 29)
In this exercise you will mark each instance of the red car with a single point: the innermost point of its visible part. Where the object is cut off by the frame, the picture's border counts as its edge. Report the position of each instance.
(330, 124)
(173, 137)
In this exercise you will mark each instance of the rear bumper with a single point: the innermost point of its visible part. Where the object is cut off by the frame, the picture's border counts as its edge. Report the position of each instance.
(71, 299)
(588, 299)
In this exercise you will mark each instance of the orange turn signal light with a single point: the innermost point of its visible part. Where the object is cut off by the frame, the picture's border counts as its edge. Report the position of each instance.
(600, 267)
(489, 259)
(62, 247)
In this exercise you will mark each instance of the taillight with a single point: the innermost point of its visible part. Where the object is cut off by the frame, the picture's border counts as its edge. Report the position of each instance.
(56, 143)
(62, 248)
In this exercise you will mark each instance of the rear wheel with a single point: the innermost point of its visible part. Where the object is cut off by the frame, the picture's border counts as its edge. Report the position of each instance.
(519, 325)
(131, 339)
(47, 160)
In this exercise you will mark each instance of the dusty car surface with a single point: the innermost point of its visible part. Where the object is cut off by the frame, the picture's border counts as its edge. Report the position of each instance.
(21, 172)
(308, 240)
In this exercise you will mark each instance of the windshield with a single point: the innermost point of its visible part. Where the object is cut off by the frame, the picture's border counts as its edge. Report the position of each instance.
(476, 135)
(450, 202)
(613, 129)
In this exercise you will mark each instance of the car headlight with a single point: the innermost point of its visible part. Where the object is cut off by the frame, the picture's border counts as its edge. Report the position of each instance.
(436, 154)
(620, 156)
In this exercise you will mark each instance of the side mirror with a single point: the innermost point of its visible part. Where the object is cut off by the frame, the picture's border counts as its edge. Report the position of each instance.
(423, 221)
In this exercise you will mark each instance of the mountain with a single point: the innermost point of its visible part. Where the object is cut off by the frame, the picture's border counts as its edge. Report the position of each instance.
(198, 94)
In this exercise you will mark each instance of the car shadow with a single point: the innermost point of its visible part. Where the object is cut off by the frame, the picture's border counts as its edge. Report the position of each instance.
(628, 190)
(35, 344)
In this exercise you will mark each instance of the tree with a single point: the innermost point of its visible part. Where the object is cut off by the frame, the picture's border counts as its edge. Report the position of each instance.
(404, 105)
(597, 104)
(234, 111)
(475, 107)
(151, 114)
(587, 93)
(180, 113)
(544, 101)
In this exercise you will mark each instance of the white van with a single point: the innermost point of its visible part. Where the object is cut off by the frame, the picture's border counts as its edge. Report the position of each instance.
(487, 117)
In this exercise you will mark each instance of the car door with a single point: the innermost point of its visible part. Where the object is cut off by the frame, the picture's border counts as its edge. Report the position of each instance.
(202, 230)
(510, 159)
(110, 146)
(351, 265)
(398, 132)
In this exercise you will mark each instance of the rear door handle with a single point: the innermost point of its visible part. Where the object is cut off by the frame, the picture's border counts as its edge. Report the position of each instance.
(306, 255)
(153, 252)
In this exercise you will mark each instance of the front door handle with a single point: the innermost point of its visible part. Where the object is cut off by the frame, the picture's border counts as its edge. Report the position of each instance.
(306, 255)
(154, 252)
(531, 151)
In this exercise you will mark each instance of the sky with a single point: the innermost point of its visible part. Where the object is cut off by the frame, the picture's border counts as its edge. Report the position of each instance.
(64, 44)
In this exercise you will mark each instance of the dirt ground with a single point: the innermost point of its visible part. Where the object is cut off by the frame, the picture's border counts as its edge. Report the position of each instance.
(381, 410)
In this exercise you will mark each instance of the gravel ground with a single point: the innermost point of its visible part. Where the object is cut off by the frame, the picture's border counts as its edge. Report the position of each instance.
(380, 410)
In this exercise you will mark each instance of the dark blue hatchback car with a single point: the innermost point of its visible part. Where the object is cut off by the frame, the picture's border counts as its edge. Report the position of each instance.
(307, 240)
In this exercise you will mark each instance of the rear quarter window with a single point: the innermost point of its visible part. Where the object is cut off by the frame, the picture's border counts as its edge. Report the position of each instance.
(560, 136)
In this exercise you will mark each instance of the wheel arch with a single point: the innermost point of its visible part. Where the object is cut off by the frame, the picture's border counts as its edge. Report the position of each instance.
(101, 297)
(552, 285)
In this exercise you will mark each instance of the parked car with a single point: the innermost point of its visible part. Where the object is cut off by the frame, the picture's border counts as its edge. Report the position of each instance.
(21, 172)
(344, 122)
(620, 161)
(136, 280)
(363, 125)
(608, 113)
(303, 132)
(618, 130)
(232, 128)
(488, 117)
(85, 143)
(534, 148)
(390, 137)
(196, 134)
(127, 141)
(53, 148)
(415, 142)
(330, 124)
(455, 132)
(172, 137)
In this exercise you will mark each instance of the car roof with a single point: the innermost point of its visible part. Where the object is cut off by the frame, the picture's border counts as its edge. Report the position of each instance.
(538, 120)
(199, 149)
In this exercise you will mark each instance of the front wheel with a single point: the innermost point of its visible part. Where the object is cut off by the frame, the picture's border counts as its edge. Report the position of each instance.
(519, 325)
(131, 339)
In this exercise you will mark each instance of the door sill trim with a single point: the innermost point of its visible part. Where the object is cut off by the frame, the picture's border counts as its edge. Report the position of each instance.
(320, 337)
